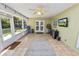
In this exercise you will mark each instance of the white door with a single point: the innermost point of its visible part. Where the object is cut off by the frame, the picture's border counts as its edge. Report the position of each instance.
(39, 26)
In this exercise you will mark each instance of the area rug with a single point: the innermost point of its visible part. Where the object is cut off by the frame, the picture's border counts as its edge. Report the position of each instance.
(14, 45)
(40, 47)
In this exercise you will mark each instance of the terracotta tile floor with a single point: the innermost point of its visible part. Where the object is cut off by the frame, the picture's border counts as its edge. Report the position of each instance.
(60, 48)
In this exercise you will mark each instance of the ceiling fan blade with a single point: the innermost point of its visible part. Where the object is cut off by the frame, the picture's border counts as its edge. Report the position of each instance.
(32, 9)
(34, 13)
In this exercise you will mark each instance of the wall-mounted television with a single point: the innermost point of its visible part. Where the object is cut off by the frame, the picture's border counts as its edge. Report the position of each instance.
(63, 22)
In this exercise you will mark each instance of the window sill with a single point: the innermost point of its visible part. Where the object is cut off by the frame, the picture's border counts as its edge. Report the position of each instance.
(7, 37)
(10, 36)
(17, 33)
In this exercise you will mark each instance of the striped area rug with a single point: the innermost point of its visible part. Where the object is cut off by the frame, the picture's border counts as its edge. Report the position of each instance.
(40, 47)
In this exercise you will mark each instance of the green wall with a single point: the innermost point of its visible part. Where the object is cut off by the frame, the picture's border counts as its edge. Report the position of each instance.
(69, 34)
(31, 22)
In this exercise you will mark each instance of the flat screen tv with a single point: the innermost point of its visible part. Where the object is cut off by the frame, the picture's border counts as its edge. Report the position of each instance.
(63, 22)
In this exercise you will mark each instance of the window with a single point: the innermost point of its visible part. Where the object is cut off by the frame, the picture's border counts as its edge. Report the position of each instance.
(25, 24)
(17, 25)
(6, 29)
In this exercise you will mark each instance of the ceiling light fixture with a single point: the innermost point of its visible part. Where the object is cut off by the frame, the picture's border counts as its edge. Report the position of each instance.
(39, 13)
(40, 10)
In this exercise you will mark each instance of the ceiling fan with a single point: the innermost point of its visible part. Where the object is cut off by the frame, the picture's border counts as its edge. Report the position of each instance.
(39, 10)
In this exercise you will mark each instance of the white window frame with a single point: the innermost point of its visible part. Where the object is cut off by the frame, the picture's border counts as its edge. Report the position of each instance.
(43, 25)
(1, 38)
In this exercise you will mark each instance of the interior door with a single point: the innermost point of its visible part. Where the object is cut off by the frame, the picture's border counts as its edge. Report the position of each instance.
(39, 26)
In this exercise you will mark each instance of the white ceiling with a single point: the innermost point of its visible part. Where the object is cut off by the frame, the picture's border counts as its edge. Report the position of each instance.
(51, 8)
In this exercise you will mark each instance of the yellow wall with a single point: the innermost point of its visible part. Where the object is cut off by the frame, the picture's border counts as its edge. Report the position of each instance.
(69, 34)
(31, 22)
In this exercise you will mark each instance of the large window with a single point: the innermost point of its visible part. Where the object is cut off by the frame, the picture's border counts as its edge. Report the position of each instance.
(6, 27)
(25, 24)
(17, 25)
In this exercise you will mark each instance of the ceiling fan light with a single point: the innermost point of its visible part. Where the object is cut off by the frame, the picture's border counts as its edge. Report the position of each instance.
(39, 13)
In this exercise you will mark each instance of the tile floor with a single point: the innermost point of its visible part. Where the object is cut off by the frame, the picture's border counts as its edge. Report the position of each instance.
(40, 47)
(29, 42)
